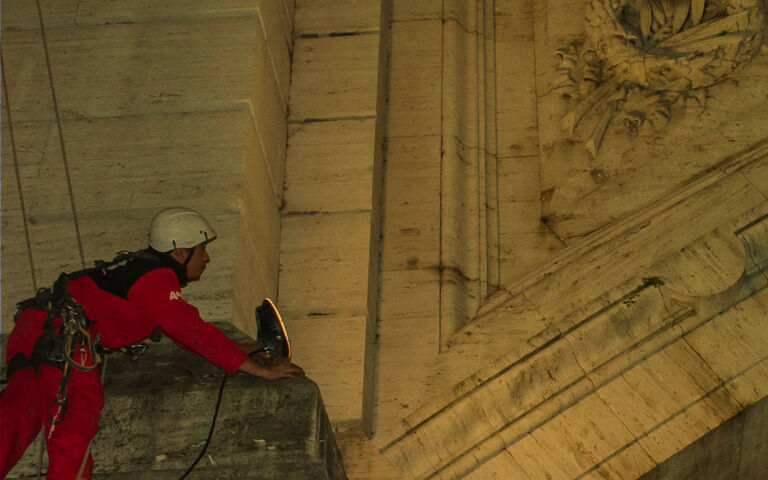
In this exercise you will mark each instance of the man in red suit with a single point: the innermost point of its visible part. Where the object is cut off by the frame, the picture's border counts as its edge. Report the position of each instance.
(52, 351)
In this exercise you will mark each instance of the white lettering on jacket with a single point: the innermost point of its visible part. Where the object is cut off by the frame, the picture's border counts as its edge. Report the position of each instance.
(175, 295)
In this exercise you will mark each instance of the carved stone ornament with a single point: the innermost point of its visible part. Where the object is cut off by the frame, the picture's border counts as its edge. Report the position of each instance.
(641, 57)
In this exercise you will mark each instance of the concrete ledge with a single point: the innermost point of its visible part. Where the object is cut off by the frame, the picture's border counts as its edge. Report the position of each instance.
(158, 415)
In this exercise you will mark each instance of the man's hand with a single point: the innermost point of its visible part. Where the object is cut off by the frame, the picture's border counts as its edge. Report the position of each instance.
(271, 370)
(282, 369)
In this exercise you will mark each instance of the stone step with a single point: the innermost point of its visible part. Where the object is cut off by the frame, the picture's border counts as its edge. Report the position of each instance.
(158, 413)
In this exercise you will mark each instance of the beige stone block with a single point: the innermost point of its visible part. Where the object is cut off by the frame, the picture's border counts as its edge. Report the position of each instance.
(460, 300)
(333, 16)
(610, 335)
(132, 69)
(17, 280)
(524, 241)
(408, 330)
(521, 253)
(688, 425)
(583, 436)
(669, 400)
(53, 234)
(251, 286)
(657, 389)
(509, 331)
(458, 420)
(290, 9)
(434, 443)
(324, 264)
(489, 458)
(260, 209)
(329, 166)
(158, 160)
(269, 112)
(409, 294)
(26, 77)
(258, 248)
(407, 10)
(272, 15)
(757, 174)
(541, 413)
(19, 15)
(665, 228)
(736, 341)
(516, 102)
(516, 112)
(629, 462)
(513, 7)
(460, 208)
(464, 13)
(460, 248)
(519, 184)
(528, 453)
(62, 13)
(411, 203)
(751, 385)
(460, 84)
(415, 79)
(331, 350)
(708, 266)
(501, 467)
(362, 460)
(334, 77)
(278, 33)
(400, 388)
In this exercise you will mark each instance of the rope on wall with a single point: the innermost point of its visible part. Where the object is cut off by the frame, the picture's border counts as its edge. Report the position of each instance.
(61, 135)
(16, 171)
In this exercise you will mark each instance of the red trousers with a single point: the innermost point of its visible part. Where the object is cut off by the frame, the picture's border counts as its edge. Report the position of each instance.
(28, 404)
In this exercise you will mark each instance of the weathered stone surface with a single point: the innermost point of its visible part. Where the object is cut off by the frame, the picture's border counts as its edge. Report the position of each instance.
(15, 261)
(155, 111)
(329, 166)
(414, 78)
(159, 411)
(643, 359)
(334, 77)
(313, 246)
(735, 449)
(634, 164)
(332, 16)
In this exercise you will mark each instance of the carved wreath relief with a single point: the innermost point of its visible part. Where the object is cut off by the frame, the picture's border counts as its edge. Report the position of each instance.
(642, 57)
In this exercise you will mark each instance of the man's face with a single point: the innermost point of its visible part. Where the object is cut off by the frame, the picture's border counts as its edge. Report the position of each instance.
(196, 264)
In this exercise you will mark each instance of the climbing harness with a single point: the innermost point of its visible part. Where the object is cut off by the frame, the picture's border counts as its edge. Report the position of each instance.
(68, 344)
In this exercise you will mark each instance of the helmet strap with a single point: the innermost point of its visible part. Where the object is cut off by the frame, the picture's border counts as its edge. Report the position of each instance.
(189, 257)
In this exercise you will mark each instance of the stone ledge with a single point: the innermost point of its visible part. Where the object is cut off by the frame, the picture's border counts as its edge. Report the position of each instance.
(158, 415)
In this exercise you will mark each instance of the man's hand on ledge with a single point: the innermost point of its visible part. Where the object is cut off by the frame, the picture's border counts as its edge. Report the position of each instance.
(271, 369)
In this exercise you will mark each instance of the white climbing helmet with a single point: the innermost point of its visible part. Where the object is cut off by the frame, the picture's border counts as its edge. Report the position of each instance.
(179, 227)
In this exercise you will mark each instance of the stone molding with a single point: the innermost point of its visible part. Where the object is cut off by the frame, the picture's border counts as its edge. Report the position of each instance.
(641, 61)
(615, 329)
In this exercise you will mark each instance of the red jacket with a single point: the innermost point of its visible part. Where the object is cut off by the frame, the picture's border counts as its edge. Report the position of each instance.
(154, 300)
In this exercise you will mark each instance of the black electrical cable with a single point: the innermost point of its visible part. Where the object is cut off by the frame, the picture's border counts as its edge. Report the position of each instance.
(213, 425)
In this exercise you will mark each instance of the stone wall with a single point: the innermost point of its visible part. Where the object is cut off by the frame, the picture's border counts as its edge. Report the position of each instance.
(114, 110)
